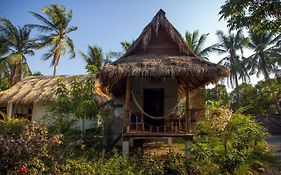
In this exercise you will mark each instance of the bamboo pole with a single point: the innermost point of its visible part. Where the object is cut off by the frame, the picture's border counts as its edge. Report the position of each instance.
(127, 121)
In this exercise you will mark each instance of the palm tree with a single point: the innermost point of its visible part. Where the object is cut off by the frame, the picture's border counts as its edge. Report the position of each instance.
(267, 53)
(56, 24)
(4, 70)
(196, 43)
(126, 45)
(94, 58)
(15, 45)
(231, 44)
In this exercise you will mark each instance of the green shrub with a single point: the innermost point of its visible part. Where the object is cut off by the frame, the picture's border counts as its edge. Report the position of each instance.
(23, 143)
(226, 142)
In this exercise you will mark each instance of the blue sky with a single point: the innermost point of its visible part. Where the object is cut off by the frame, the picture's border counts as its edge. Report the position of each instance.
(106, 23)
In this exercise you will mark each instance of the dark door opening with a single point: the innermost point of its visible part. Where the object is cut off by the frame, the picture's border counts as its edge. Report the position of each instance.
(153, 104)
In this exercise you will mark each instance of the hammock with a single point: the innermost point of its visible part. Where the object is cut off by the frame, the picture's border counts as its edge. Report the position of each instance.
(154, 117)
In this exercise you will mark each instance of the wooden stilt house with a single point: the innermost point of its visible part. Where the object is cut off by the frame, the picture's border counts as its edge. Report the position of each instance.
(149, 81)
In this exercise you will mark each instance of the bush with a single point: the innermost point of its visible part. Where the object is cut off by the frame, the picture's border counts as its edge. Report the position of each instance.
(225, 142)
(23, 143)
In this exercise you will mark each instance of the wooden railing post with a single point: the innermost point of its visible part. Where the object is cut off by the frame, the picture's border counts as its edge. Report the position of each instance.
(126, 125)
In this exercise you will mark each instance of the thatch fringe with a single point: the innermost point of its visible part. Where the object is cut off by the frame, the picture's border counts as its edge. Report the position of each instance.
(196, 71)
(42, 89)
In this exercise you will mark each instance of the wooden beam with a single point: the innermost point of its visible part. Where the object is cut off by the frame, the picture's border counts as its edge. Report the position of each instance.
(187, 109)
(126, 125)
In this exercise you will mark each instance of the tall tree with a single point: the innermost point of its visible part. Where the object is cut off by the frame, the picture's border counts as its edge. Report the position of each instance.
(231, 44)
(260, 15)
(126, 45)
(94, 58)
(56, 25)
(15, 45)
(266, 53)
(4, 69)
(196, 43)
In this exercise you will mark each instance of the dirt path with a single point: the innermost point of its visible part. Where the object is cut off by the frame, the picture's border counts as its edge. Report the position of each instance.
(275, 145)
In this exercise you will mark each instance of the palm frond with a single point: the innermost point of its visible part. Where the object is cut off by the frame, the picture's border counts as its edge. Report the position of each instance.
(71, 29)
(44, 20)
(71, 47)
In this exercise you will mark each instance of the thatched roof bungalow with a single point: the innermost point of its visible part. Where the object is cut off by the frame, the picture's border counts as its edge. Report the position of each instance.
(148, 82)
(33, 96)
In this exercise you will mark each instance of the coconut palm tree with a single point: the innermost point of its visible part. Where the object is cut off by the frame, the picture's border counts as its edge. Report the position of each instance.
(4, 70)
(126, 45)
(266, 53)
(56, 25)
(94, 58)
(15, 45)
(196, 43)
(231, 44)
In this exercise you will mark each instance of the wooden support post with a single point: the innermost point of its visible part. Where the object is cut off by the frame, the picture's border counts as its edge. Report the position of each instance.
(10, 109)
(125, 147)
(187, 148)
(126, 126)
(170, 141)
(187, 110)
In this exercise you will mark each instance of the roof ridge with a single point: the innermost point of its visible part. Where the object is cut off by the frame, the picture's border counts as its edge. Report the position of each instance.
(145, 37)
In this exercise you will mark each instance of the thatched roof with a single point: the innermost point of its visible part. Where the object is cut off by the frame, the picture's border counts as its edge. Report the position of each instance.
(158, 21)
(42, 89)
(160, 51)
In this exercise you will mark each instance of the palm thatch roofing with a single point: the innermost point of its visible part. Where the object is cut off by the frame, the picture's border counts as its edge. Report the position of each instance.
(147, 59)
(42, 89)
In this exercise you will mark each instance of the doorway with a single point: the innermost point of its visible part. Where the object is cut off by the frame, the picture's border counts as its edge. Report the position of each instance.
(153, 104)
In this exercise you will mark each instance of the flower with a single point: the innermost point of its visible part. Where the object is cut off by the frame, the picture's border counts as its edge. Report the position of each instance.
(23, 170)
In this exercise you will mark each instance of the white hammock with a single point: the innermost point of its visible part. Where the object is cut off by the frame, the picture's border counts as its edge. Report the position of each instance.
(154, 117)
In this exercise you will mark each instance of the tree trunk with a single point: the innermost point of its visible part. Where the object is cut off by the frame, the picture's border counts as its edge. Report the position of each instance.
(263, 67)
(55, 70)
(83, 126)
(17, 74)
(238, 93)
(277, 106)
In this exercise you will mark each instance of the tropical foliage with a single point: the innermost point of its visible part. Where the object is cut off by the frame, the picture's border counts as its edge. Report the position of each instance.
(196, 43)
(262, 99)
(219, 94)
(230, 44)
(267, 53)
(259, 15)
(95, 59)
(224, 143)
(228, 143)
(15, 45)
(126, 45)
(25, 144)
(56, 25)
(80, 101)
